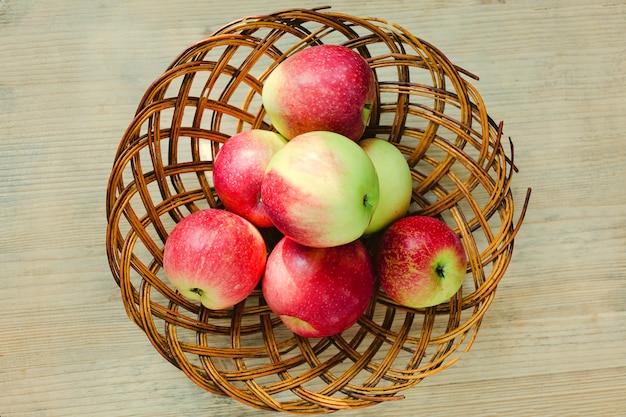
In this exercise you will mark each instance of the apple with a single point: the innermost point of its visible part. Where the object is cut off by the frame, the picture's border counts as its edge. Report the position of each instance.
(320, 189)
(394, 180)
(420, 261)
(324, 87)
(318, 292)
(215, 257)
(238, 171)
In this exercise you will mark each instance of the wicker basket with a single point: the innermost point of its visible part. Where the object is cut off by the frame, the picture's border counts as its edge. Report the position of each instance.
(162, 172)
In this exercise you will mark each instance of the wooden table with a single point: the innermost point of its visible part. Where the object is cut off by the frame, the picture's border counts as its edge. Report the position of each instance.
(71, 75)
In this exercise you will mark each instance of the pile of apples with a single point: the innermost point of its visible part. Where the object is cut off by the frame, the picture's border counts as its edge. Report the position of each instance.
(325, 189)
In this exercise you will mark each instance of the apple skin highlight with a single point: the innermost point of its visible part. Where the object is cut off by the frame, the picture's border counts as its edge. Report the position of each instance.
(420, 262)
(318, 292)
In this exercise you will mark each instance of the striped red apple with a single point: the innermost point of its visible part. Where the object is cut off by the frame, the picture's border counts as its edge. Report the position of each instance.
(215, 257)
(318, 292)
(321, 189)
(324, 87)
(420, 261)
(239, 169)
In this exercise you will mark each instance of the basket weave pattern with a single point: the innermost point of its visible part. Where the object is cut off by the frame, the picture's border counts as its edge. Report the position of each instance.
(162, 172)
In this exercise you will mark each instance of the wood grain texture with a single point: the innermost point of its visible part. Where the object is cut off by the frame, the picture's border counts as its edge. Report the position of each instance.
(71, 75)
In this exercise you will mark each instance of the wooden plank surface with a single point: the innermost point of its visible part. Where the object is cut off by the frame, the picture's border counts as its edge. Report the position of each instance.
(71, 75)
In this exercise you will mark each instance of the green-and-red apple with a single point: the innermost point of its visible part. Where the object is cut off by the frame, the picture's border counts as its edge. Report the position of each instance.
(394, 179)
(320, 189)
(215, 257)
(324, 87)
(420, 262)
(318, 292)
(239, 169)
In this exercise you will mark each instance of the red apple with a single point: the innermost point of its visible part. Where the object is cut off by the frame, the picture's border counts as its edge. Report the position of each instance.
(214, 256)
(320, 189)
(239, 169)
(324, 87)
(318, 292)
(420, 261)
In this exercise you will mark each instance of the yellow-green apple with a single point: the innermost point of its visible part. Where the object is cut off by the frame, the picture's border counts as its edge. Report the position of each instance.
(318, 292)
(394, 180)
(324, 87)
(320, 189)
(215, 257)
(238, 171)
(420, 261)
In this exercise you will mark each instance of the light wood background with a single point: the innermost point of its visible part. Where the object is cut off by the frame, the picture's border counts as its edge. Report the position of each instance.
(71, 75)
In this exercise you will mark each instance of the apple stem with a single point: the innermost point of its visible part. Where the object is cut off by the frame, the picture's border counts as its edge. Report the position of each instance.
(366, 201)
(439, 271)
(197, 291)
